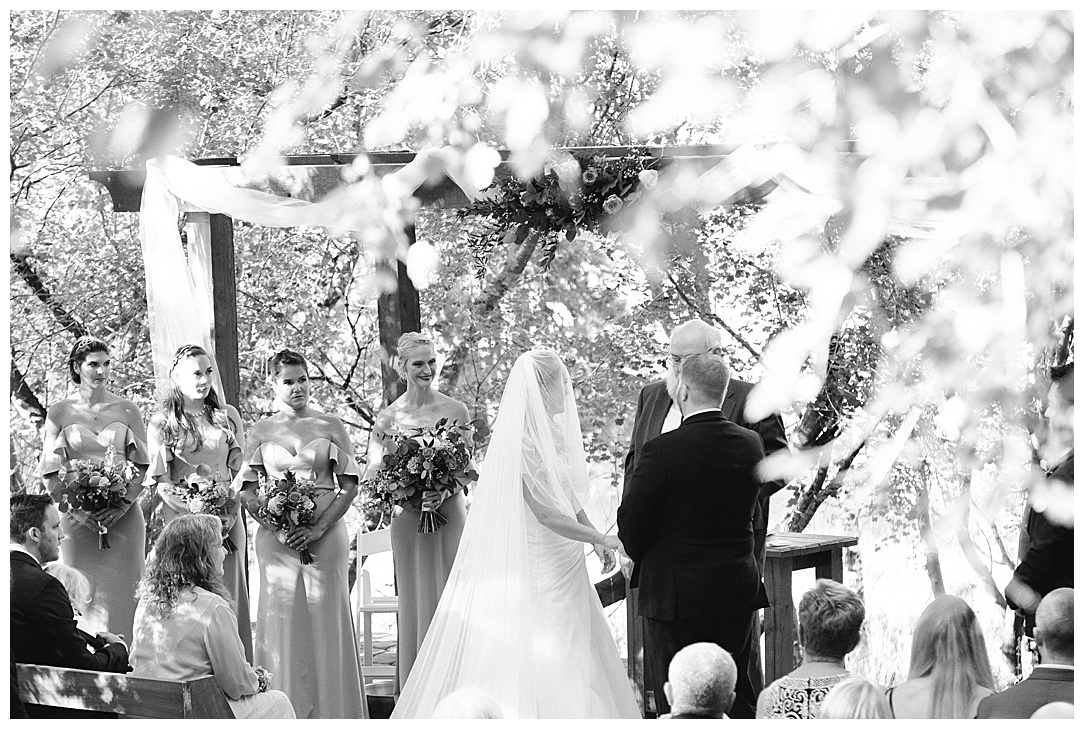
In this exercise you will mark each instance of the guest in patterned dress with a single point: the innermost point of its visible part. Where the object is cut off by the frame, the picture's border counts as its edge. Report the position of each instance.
(85, 426)
(193, 432)
(304, 627)
(829, 625)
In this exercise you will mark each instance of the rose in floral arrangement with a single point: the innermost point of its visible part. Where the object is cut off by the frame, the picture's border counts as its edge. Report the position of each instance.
(612, 204)
(285, 503)
(207, 493)
(89, 487)
(421, 460)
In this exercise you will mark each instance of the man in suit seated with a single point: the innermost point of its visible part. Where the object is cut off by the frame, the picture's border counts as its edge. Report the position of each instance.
(42, 621)
(1052, 679)
(701, 686)
(686, 522)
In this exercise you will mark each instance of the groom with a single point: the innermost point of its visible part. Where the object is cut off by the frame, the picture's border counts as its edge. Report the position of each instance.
(686, 520)
(656, 413)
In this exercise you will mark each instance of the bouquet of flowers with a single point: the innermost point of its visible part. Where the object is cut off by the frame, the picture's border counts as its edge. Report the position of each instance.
(287, 502)
(204, 493)
(421, 460)
(90, 487)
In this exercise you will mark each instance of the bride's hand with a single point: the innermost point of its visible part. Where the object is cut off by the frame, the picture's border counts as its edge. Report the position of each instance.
(606, 555)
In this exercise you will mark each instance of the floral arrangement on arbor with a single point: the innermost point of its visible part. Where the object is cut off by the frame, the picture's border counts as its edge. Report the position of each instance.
(579, 192)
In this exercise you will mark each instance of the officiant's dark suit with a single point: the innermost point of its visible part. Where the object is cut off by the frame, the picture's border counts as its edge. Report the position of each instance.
(686, 520)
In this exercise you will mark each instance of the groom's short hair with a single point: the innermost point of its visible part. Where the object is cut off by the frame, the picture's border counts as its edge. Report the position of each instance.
(706, 373)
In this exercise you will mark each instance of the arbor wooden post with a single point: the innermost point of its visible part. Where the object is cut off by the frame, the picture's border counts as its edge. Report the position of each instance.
(224, 295)
(397, 312)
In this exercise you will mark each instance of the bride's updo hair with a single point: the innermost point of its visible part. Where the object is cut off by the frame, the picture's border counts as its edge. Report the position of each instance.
(408, 342)
(552, 376)
(84, 345)
(285, 358)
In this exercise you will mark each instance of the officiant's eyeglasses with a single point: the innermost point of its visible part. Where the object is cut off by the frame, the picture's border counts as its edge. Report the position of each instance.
(675, 360)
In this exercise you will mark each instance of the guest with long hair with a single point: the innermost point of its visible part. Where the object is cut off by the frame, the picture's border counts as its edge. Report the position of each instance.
(89, 425)
(194, 432)
(950, 670)
(185, 626)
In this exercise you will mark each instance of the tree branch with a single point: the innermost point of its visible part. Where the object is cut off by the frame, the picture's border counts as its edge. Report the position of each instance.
(26, 271)
(709, 315)
(24, 394)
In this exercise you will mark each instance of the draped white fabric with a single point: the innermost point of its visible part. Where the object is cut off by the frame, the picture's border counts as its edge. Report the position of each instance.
(519, 618)
(179, 292)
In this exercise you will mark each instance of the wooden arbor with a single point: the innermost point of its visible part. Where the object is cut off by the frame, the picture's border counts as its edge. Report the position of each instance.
(397, 312)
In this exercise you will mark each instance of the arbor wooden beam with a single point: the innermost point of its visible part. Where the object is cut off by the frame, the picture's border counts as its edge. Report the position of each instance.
(224, 295)
(325, 172)
(397, 312)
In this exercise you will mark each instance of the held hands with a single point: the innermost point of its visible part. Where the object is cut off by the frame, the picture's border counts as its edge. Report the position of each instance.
(606, 556)
(110, 638)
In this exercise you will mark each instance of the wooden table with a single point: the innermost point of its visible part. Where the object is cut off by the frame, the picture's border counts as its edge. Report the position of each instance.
(785, 553)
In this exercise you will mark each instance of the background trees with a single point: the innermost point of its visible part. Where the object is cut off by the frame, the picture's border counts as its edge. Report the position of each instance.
(900, 292)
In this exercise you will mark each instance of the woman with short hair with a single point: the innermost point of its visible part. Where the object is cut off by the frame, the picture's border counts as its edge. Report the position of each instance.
(829, 626)
(185, 627)
(950, 670)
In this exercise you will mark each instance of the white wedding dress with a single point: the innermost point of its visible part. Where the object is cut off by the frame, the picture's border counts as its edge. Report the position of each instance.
(519, 619)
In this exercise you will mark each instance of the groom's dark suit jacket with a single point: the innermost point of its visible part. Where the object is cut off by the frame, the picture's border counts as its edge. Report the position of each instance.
(686, 521)
(651, 409)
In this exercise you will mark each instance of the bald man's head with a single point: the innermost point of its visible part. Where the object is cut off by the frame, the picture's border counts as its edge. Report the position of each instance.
(1054, 626)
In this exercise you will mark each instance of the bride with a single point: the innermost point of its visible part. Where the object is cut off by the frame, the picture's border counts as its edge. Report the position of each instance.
(519, 618)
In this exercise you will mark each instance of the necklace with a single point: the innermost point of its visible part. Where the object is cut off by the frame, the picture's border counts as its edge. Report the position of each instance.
(96, 410)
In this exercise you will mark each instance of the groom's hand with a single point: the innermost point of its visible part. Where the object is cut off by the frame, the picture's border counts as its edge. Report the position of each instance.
(606, 556)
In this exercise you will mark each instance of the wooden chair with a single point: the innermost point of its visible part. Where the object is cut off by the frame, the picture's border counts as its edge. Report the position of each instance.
(366, 604)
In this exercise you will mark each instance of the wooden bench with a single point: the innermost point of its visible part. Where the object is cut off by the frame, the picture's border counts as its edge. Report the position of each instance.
(122, 694)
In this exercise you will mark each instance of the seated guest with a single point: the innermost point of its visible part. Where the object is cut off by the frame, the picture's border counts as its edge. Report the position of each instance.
(855, 698)
(78, 587)
(467, 703)
(1052, 679)
(1055, 710)
(702, 677)
(829, 626)
(42, 622)
(185, 627)
(950, 671)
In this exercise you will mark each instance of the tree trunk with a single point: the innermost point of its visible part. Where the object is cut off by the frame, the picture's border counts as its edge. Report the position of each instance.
(29, 275)
(484, 305)
(24, 395)
(971, 552)
(925, 529)
(810, 499)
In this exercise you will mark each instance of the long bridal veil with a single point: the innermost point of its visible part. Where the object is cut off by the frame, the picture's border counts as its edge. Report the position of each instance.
(494, 626)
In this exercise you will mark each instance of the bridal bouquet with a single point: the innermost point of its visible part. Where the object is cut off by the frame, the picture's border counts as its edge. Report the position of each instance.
(91, 487)
(420, 460)
(204, 493)
(286, 503)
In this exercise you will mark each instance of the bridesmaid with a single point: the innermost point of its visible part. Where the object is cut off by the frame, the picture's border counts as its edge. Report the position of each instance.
(422, 561)
(190, 429)
(304, 628)
(83, 426)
